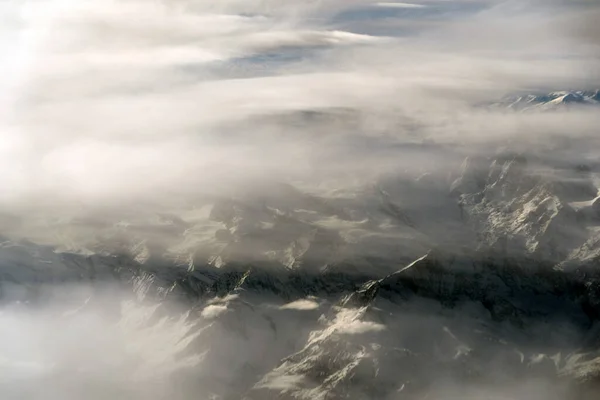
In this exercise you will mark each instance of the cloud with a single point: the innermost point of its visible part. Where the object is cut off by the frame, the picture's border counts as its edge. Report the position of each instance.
(105, 101)
(213, 311)
(349, 322)
(359, 327)
(302, 305)
(122, 350)
(400, 5)
(143, 104)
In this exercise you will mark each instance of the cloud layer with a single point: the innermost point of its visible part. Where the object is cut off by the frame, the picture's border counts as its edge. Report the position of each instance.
(115, 99)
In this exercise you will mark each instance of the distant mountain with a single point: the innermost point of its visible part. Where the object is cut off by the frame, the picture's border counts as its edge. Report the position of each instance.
(551, 101)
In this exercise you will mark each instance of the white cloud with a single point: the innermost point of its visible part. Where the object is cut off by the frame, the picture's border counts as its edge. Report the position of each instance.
(109, 99)
(302, 305)
(213, 311)
(359, 327)
(349, 322)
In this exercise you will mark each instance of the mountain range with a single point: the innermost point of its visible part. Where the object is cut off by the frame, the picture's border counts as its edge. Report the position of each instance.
(477, 282)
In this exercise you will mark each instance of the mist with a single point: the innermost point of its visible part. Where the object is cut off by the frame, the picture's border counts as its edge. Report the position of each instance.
(195, 193)
(96, 347)
(105, 100)
(103, 342)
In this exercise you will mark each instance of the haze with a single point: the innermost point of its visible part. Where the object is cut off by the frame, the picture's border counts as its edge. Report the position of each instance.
(119, 115)
(105, 100)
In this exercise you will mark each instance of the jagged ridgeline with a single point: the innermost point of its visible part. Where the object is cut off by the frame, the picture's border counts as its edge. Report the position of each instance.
(480, 281)
(299, 200)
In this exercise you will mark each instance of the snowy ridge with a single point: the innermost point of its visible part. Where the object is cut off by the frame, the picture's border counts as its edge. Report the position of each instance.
(551, 101)
(481, 278)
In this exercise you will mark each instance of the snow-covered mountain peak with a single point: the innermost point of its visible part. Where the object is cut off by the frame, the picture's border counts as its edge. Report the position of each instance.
(551, 101)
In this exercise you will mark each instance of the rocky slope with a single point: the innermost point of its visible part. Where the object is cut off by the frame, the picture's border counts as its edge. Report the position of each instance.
(483, 278)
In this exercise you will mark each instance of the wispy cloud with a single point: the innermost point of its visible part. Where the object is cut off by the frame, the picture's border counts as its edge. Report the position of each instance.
(105, 98)
(399, 5)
